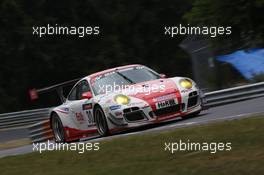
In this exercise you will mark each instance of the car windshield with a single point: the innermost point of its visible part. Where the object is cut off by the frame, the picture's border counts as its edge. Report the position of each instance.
(110, 81)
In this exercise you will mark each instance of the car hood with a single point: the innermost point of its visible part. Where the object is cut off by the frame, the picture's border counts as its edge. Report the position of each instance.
(151, 89)
(146, 91)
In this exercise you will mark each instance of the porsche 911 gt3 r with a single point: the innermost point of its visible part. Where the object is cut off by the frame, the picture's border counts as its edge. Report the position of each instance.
(122, 98)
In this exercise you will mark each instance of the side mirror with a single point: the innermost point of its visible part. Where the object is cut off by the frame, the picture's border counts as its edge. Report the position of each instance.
(163, 76)
(87, 95)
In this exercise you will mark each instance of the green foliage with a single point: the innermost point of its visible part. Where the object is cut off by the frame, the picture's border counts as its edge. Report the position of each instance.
(131, 32)
(259, 78)
(244, 16)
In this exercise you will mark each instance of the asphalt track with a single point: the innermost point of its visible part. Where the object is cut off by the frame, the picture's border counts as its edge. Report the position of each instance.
(13, 134)
(220, 113)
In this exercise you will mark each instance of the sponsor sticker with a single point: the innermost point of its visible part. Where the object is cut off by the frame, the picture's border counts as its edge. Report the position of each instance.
(139, 67)
(87, 106)
(186, 90)
(63, 110)
(136, 104)
(165, 97)
(79, 117)
(115, 107)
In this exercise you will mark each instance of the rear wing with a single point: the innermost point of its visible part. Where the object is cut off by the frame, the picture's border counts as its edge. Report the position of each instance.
(34, 93)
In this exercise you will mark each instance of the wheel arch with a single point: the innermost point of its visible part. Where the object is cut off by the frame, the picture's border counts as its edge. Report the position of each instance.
(96, 105)
(50, 117)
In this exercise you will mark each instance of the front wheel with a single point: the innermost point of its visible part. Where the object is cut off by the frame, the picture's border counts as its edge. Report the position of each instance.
(57, 128)
(101, 122)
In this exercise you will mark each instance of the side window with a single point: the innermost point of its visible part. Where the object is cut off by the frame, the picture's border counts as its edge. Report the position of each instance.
(73, 93)
(83, 86)
(79, 89)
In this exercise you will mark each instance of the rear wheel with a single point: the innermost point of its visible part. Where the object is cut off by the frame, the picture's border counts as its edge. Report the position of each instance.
(57, 128)
(101, 122)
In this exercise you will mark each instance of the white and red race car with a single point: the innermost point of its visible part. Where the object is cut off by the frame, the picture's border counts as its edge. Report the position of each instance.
(121, 98)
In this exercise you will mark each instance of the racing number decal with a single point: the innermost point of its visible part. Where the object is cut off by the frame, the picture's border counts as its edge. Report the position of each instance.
(90, 118)
(88, 111)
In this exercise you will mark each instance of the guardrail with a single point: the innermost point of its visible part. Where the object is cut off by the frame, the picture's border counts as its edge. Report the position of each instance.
(40, 131)
(236, 94)
(23, 118)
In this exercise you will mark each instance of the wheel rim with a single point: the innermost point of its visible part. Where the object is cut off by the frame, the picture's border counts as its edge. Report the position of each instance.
(57, 129)
(101, 124)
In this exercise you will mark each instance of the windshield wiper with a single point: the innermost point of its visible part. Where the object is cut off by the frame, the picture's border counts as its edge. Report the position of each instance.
(125, 77)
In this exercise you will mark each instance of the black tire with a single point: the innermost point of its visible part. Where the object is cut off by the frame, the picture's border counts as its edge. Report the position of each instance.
(57, 129)
(101, 122)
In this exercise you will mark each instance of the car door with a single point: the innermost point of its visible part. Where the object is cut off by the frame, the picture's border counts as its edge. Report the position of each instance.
(87, 103)
(75, 104)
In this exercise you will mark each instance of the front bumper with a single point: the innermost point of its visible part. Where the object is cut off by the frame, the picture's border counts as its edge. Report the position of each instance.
(135, 116)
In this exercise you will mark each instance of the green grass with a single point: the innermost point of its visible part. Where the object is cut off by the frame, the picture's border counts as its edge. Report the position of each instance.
(144, 154)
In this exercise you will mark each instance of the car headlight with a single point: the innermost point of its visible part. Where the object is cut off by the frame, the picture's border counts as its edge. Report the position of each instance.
(186, 83)
(122, 99)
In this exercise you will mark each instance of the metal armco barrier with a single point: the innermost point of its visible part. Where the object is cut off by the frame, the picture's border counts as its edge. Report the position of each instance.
(23, 118)
(236, 94)
(40, 131)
